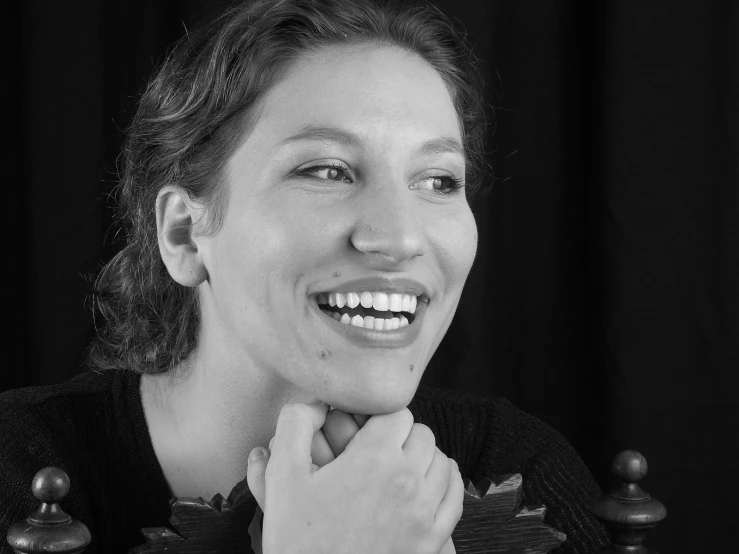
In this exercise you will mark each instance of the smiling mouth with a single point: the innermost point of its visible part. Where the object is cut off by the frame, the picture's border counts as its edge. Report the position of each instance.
(367, 317)
(364, 312)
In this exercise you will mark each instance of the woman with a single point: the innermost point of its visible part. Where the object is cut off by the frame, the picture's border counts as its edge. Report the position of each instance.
(296, 188)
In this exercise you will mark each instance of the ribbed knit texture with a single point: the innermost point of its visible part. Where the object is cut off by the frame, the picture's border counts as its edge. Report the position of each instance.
(93, 427)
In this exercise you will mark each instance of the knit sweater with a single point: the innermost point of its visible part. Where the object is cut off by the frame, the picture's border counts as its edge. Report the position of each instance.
(93, 427)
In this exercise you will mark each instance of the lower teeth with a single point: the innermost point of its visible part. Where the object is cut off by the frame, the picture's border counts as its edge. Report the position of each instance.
(369, 322)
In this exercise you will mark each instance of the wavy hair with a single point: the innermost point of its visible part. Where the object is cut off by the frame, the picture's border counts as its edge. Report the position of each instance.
(201, 101)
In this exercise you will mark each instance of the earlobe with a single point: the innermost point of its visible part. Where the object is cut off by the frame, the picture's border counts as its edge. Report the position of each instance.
(175, 214)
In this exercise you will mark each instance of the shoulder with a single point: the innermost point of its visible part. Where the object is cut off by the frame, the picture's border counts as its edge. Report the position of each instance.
(501, 423)
(493, 426)
(43, 426)
(36, 419)
(490, 436)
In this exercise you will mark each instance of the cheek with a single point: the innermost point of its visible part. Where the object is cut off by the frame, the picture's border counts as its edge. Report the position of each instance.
(242, 264)
(265, 254)
(456, 238)
(470, 240)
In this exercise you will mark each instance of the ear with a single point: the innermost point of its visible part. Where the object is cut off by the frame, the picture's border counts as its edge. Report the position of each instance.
(175, 215)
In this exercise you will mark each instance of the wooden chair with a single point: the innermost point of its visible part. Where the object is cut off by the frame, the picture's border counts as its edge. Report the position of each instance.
(493, 519)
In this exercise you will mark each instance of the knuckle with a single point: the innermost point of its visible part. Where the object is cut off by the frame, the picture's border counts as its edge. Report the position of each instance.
(407, 416)
(422, 519)
(443, 457)
(442, 461)
(405, 486)
(425, 433)
(458, 513)
(460, 504)
(458, 477)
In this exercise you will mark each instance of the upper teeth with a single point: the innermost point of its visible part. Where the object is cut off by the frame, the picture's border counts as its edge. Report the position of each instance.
(378, 300)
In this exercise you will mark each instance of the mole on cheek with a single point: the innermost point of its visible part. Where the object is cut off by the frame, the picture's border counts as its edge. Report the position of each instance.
(324, 354)
(337, 273)
(411, 368)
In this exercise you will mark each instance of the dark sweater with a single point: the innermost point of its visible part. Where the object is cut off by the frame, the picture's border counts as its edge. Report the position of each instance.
(93, 427)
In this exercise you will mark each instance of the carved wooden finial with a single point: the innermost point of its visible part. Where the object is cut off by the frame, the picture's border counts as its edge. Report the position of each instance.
(49, 529)
(627, 510)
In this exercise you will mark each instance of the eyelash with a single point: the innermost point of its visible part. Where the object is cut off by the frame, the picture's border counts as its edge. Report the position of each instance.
(454, 188)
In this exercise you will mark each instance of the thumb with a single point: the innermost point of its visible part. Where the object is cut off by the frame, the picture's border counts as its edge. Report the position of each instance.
(255, 473)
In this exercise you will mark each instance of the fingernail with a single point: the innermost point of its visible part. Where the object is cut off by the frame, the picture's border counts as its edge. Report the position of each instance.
(257, 453)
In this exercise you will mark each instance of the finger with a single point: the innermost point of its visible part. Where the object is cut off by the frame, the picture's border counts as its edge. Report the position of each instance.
(390, 429)
(255, 474)
(450, 509)
(360, 419)
(321, 452)
(448, 548)
(293, 441)
(339, 429)
(421, 446)
(438, 475)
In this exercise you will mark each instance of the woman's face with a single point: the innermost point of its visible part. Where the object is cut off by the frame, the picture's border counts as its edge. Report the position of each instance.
(385, 217)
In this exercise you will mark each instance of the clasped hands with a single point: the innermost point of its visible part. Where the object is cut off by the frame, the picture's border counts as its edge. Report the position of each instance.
(328, 443)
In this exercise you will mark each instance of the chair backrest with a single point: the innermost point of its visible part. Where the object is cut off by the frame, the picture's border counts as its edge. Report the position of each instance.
(493, 518)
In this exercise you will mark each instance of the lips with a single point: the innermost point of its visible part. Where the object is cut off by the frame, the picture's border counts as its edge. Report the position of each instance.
(403, 285)
(373, 338)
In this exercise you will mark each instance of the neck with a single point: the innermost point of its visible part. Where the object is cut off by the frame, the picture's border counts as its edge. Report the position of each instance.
(205, 419)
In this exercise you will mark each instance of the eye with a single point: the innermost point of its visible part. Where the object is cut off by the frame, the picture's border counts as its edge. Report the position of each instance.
(332, 171)
(448, 185)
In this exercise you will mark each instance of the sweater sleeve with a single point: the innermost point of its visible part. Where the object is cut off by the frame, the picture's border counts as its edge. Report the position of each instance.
(553, 474)
(28, 444)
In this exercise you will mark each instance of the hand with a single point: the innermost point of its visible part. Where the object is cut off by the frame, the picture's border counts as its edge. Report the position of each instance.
(328, 443)
(333, 438)
(448, 548)
(335, 432)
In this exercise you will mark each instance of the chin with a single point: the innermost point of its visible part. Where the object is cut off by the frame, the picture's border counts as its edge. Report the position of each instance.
(375, 401)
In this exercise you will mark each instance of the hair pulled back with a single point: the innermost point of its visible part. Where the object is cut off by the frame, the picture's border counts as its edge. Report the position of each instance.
(201, 102)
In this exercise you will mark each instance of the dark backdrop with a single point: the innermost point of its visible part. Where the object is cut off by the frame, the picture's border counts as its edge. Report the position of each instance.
(605, 295)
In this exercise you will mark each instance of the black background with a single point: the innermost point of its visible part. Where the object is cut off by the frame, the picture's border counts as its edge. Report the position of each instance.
(605, 295)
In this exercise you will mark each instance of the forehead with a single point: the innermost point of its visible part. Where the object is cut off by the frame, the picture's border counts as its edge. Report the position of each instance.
(377, 92)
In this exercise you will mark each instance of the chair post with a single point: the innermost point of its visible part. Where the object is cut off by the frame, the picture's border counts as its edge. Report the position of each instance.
(627, 511)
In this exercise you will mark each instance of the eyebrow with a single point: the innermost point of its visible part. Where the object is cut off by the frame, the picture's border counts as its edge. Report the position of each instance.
(439, 145)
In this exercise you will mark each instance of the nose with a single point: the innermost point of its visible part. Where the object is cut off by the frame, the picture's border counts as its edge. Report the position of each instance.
(388, 227)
